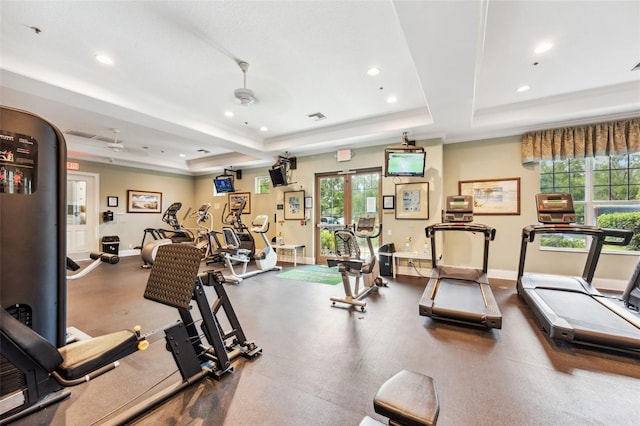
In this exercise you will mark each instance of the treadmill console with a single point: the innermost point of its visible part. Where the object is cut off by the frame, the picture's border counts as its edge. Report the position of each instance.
(459, 208)
(555, 208)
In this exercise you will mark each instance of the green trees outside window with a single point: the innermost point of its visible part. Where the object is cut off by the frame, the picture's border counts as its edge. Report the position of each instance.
(605, 190)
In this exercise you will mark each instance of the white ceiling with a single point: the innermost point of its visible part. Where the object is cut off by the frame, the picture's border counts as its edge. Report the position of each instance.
(453, 66)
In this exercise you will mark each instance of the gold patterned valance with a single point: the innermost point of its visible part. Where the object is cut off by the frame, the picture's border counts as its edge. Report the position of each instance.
(591, 140)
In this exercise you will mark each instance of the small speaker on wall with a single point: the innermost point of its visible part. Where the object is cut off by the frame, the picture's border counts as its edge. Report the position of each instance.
(293, 163)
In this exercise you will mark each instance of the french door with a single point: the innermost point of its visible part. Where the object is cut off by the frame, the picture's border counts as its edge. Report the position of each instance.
(343, 198)
(82, 214)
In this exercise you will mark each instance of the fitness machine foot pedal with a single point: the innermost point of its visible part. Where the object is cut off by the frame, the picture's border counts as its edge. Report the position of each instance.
(408, 398)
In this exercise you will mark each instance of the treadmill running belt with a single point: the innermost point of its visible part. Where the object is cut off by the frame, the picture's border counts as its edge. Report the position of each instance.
(590, 319)
(460, 296)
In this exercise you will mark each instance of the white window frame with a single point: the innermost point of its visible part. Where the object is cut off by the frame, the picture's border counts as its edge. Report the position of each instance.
(589, 209)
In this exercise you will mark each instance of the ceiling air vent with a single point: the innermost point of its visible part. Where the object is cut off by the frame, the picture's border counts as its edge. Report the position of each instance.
(317, 116)
(203, 151)
(86, 135)
(80, 134)
(636, 68)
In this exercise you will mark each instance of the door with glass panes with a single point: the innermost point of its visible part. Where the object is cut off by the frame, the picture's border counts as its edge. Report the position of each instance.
(342, 199)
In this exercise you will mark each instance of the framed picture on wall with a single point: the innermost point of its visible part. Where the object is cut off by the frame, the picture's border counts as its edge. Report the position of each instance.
(493, 196)
(412, 200)
(294, 205)
(112, 201)
(144, 201)
(388, 202)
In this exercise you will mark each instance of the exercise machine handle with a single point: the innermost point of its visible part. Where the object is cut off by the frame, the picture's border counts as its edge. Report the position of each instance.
(488, 231)
(109, 258)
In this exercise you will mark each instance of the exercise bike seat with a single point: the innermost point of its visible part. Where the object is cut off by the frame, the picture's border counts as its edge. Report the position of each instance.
(348, 265)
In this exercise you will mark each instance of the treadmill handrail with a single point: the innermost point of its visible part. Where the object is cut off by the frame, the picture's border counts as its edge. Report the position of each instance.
(529, 232)
(488, 231)
(624, 236)
(489, 235)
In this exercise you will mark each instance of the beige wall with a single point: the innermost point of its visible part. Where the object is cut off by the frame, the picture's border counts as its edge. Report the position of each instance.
(304, 177)
(446, 165)
(500, 158)
(116, 180)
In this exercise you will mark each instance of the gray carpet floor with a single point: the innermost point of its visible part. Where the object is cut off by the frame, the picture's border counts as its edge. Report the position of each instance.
(322, 365)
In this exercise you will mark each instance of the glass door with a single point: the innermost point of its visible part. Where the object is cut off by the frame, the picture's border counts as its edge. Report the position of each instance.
(82, 214)
(342, 199)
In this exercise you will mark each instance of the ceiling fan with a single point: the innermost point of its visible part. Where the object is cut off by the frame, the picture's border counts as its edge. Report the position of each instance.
(115, 146)
(244, 96)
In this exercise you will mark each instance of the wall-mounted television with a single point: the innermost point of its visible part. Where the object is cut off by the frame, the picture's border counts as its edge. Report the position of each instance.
(404, 163)
(278, 176)
(223, 184)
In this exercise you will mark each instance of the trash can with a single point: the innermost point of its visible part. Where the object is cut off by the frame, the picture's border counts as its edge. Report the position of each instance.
(385, 258)
(110, 244)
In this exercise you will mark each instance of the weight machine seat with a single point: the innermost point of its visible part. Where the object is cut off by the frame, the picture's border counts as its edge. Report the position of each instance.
(72, 361)
(408, 398)
(84, 356)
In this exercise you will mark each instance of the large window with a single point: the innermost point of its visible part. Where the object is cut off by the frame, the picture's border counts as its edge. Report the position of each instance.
(606, 192)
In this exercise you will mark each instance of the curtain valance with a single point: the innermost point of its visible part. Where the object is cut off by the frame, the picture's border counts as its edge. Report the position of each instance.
(591, 140)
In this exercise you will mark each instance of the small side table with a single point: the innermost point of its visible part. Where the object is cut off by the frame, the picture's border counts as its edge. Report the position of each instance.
(291, 247)
(413, 255)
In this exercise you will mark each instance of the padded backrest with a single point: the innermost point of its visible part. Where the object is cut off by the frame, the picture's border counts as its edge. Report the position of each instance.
(346, 244)
(173, 275)
(30, 342)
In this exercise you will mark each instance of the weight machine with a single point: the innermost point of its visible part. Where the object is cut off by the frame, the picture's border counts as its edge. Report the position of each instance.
(35, 374)
(174, 281)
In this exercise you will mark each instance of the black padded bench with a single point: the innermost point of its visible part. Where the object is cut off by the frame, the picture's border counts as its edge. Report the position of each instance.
(408, 398)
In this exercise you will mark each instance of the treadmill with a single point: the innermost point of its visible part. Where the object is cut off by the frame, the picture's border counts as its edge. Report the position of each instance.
(570, 308)
(454, 293)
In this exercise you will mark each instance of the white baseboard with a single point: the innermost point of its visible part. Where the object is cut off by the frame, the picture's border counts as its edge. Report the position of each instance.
(129, 252)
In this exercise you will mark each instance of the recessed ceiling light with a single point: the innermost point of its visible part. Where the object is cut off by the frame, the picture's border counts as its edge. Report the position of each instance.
(264, 128)
(392, 99)
(182, 155)
(228, 113)
(523, 88)
(543, 47)
(373, 71)
(104, 59)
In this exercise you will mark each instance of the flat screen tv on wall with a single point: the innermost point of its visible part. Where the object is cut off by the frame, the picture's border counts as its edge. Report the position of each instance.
(278, 176)
(407, 163)
(224, 184)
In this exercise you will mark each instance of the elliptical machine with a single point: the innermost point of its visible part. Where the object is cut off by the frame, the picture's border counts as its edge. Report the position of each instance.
(265, 259)
(350, 264)
(233, 219)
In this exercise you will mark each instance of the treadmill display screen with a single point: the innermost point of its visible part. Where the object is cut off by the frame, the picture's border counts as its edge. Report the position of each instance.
(459, 204)
(459, 209)
(555, 204)
(555, 208)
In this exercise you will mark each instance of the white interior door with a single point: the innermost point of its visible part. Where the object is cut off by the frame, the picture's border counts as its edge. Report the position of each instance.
(82, 214)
